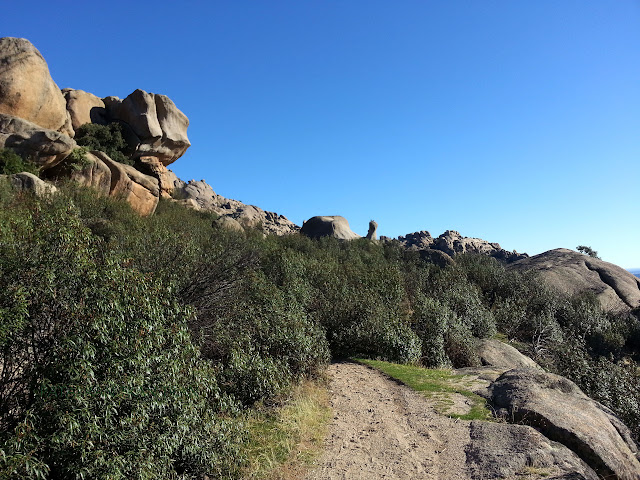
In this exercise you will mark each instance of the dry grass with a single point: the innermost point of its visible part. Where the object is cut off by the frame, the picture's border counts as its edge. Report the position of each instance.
(285, 441)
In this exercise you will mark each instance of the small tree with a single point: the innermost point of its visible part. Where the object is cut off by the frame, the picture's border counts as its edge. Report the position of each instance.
(588, 251)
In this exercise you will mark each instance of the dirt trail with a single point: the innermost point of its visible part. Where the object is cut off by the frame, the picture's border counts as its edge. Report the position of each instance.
(385, 430)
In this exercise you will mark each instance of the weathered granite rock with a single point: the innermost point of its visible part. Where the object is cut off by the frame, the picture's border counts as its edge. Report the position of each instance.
(93, 173)
(139, 190)
(563, 413)
(154, 167)
(28, 182)
(27, 90)
(452, 243)
(161, 129)
(44, 147)
(500, 450)
(371, 234)
(435, 256)
(228, 223)
(328, 226)
(84, 107)
(248, 216)
(573, 272)
(499, 354)
(417, 241)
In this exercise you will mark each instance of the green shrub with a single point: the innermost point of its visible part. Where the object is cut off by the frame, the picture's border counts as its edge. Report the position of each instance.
(11, 162)
(105, 138)
(99, 378)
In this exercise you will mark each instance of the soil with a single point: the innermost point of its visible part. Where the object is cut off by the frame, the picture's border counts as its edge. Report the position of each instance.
(384, 430)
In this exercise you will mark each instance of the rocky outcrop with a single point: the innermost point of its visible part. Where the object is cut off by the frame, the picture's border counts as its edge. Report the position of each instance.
(139, 190)
(28, 182)
(27, 90)
(328, 226)
(559, 410)
(500, 450)
(84, 107)
(452, 243)
(502, 355)
(228, 223)
(44, 147)
(371, 234)
(573, 272)
(247, 216)
(92, 172)
(159, 128)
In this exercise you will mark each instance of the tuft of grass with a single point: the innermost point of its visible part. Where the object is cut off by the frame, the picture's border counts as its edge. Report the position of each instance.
(284, 442)
(437, 384)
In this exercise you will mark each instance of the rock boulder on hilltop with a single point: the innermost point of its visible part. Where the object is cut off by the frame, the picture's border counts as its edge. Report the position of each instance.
(452, 243)
(573, 272)
(27, 90)
(160, 129)
(328, 226)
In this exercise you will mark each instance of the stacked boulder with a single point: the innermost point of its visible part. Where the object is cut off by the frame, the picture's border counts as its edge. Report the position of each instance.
(38, 121)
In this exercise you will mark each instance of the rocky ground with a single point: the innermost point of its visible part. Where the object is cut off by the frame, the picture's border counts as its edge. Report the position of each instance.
(383, 430)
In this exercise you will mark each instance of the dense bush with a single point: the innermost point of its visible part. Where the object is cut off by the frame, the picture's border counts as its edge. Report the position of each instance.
(11, 162)
(105, 138)
(130, 344)
(99, 378)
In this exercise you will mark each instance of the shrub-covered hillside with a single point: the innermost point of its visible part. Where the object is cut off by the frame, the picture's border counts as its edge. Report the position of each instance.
(132, 346)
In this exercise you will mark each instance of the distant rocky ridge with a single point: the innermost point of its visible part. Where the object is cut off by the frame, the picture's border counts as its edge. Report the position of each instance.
(452, 243)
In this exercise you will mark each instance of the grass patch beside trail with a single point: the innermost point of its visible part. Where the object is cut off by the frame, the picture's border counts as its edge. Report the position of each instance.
(436, 384)
(285, 441)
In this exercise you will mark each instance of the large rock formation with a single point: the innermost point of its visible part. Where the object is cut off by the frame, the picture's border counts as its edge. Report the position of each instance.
(247, 216)
(27, 89)
(328, 226)
(84, 107)
(44, 147)
(559, 410)
(452, 243)
(139, 190)
(160, 129)
(573, 272)
(500, 450)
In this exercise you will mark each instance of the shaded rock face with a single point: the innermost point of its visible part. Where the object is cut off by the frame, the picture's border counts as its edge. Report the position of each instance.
(160, 129)
(559, 410)
(94, 174)
(46, 148)
(499, 450)
(452, 243)
(139, 190)
(328, 226)
(27, 89)
(202, 195)
(28, 182)
(573, 272)
(84, 107)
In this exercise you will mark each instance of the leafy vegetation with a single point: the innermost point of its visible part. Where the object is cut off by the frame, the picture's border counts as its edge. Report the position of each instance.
(587, 251)
(106, 138)
(156, 347)
(11, 162)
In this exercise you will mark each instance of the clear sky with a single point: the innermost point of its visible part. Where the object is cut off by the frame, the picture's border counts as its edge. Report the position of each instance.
(514, 121)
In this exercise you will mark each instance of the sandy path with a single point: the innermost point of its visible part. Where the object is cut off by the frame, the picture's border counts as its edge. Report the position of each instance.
(384, 430)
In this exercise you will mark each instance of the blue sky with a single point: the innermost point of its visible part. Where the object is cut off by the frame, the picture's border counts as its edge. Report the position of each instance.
(513, 121)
